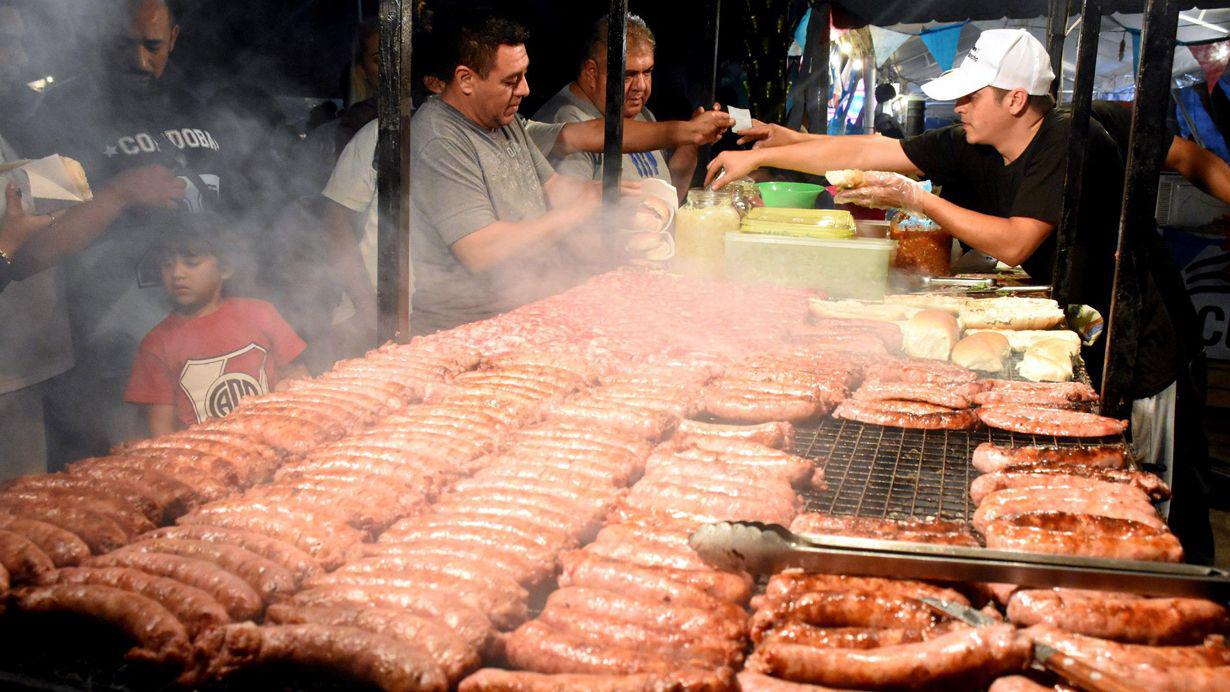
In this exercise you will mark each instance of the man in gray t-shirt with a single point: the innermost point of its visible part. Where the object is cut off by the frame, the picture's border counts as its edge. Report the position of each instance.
(585, 99)
(489, 217)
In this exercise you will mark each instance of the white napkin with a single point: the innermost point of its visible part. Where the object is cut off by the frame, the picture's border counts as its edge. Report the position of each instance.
(46, 184)
(742, 116)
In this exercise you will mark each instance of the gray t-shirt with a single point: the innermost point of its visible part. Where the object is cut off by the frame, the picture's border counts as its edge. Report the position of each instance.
(466, 178)
(567, 107)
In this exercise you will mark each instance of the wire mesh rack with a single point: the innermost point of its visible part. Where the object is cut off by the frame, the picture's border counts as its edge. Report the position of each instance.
(897, 473)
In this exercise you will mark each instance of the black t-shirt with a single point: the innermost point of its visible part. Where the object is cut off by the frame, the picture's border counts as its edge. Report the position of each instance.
(114, 291)
(976, 178)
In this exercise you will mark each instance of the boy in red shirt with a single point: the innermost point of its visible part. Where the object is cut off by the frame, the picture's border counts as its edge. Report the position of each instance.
(212, 350)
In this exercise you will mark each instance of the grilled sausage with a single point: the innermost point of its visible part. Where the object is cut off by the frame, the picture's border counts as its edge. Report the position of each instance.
(728, 622)
(990, 457)
(775, 434)
(1037, 475)
(300, 564)
(537, 647)
(1063, 533)
(448, 650)
(962, 659)
(22, 558)
(905, 414)
(1097, 652)
(848, 637)
(390, 664)
(788, 585)
(149, 502)
(496, 680)
(159, 636)
(1122, 617)
(327, 548)
(64, 548)
(845, 609)
(239, 599)
(269, 579)
(98, 529)
(196, 609)
(1048, 421)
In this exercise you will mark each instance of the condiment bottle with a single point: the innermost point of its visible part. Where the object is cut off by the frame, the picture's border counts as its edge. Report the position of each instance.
(701, 226)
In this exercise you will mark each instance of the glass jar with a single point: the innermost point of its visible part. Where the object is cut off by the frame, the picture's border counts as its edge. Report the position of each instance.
(923, 248)
(701, 226)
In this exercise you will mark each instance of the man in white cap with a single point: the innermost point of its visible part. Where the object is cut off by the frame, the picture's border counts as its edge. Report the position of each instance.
(1000, 174)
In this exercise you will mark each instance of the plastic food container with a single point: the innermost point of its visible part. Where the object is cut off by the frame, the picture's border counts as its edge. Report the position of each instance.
(925, 249)
(856, 268)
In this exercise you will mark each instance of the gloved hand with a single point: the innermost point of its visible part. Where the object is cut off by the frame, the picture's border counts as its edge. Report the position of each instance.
(881, 190)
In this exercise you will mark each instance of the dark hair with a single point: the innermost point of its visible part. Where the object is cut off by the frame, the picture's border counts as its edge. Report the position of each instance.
(1042, 103)
(473, 41)
(637, 31)
(885, 92)
(196, 235)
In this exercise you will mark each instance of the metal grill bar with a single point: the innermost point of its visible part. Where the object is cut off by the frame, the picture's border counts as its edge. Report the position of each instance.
(896, 473)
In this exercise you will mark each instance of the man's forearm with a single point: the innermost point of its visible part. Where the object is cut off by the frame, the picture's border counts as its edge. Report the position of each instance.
(822, 153)
(502, 241)
(1010, 240)
(71, 233)
(590, 136)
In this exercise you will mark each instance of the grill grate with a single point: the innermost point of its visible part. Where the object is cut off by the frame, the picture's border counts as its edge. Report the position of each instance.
(896, 473)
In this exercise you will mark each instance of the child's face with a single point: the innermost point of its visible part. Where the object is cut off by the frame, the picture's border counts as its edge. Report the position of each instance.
(192, 281)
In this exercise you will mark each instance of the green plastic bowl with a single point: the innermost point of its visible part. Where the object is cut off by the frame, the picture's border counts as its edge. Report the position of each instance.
(789, 195)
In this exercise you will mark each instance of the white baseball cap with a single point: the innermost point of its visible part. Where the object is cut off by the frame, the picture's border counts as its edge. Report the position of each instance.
(1003, 58)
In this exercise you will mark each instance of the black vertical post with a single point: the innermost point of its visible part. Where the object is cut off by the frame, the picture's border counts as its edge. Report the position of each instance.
(612, 150)
(714, 33)
(1062, 279)
(810, 93)
(393, 173)
(1056, 29)
(1145, 150)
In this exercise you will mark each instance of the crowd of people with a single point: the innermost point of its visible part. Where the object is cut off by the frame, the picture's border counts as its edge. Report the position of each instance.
(221, 255)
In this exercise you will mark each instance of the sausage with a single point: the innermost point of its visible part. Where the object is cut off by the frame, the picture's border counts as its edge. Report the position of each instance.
(376, 659)
(989, 456)
(643, 423)
(598, 628)
(538, 647)
(1040, 475)
(917, 371)
(1018, 392)
(239, 599)
(504, 609)
(447, 649)
(1018, 683)
(202, 486)
(516, 568)
(794, 471)
(847, 637)
(159, 636)
(785, 586)
(915, 530)
(1042, 499)
(1210, 679)
(269, 579)
(325, 548)
(196, 609)
(300, 564)
(728, 622)
(663, 479)
(845, 609)
(558, 472)
(290, 434)
(115, 509)
(1098, 652)
(98, 530)
(65, 548)
(751, 681)
(365, 508)
(501, 544)
(22, 558)
(468, 623)
(496, 680)
(172, 495)
(775, 434)
(737, 407)
(657, 496)
(646, 584)
(1122, 617)
(1048, 421)
(646, 553)
(962, 659)
(549, 540)
(1063, 533)
(951, 396)
(149, 503)
(905, 414)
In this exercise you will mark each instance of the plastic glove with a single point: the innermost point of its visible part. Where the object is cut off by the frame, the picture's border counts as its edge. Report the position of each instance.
(881, 190)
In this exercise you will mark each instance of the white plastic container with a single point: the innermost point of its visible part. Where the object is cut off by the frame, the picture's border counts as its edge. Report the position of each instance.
(855, 268)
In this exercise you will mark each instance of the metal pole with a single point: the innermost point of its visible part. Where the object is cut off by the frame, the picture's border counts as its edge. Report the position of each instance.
(393, 173)
(1136, 217)
(1062, 288)
(715, 27)
(612, 150)
(818, 104)
(1056, 28)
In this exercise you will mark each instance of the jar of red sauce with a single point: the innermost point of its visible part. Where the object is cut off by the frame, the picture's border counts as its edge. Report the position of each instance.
(923, 249)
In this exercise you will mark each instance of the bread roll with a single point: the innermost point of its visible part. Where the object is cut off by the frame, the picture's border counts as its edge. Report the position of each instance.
(844, 178)
(931, 334)
(1022, 339)
(929, 301)
(861, 310)
(984, 351)
(1047, 361)
(1011, 313)
(76, 175)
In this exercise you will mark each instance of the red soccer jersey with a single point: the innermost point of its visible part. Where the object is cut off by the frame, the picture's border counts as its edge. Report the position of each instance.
(205, 365)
